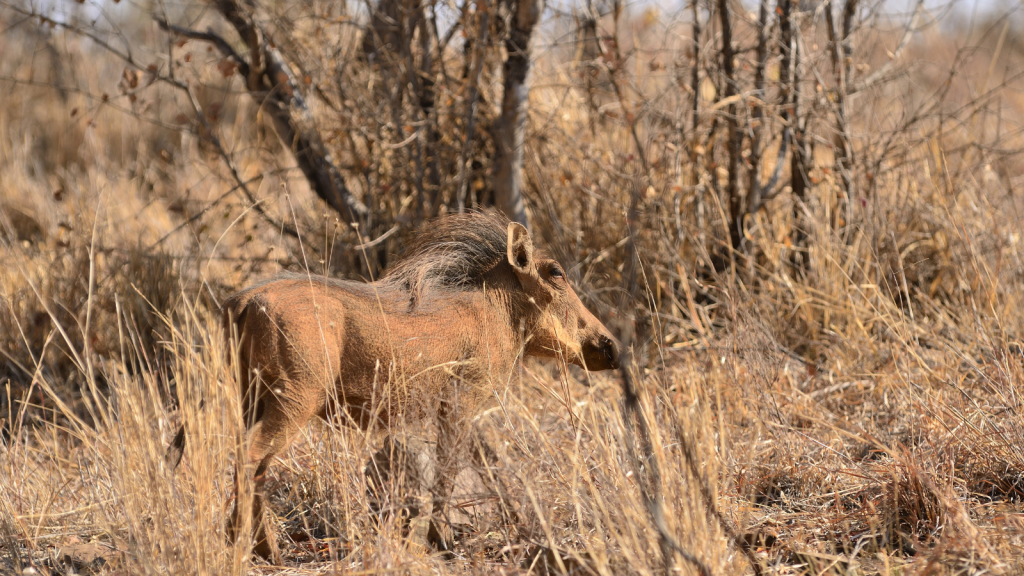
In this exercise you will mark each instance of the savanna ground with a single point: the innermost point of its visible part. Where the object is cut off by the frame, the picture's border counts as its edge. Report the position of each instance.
(838, 393)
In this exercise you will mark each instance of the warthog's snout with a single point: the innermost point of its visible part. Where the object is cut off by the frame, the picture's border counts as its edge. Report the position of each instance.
(601, 353)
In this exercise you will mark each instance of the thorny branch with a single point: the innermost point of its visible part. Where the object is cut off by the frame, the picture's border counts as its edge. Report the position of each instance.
(272, 82)
(879, 74)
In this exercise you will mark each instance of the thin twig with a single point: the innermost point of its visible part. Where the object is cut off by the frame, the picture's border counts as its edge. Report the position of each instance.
(879, 74)
(211, 136)
(646, 465)
(366, 245)
(212, 205)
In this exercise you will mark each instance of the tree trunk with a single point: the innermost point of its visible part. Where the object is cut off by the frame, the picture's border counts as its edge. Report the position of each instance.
(510, 129)
(431, 180)
(384, 37)
(754, 195)
(695, 78)
(475, 71)
(587, 53)
(733, 134)
(843, 71)
(799, 157)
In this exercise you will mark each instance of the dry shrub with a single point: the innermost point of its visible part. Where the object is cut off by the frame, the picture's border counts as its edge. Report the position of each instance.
(996, 482)
(782, 485)
(913, 510)
(129, 287)
(990, 463)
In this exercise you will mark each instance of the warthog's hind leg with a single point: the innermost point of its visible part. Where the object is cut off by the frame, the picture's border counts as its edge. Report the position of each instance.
(274, 431)
(265, 538)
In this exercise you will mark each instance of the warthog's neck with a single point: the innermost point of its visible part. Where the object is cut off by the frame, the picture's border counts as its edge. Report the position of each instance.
(473, 336)
(518, 314)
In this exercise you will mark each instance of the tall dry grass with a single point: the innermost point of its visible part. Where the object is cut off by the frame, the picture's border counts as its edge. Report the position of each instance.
(565, 480)
(859, 416)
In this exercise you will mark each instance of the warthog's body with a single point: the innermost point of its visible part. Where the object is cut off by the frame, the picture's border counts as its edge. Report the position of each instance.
(434, 336)
(352, 341)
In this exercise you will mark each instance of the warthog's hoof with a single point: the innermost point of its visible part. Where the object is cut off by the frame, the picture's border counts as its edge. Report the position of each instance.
(442, 538)
(267, 549)
(265, 539)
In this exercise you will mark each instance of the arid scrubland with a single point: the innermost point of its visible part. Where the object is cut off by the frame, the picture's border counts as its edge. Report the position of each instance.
(816, 240)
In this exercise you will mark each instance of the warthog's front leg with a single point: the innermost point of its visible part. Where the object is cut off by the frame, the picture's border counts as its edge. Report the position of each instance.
(451, 424)
(405, 467)
(425, 470)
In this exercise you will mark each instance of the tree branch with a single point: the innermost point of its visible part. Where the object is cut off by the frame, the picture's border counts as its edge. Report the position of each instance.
(645, 464)
(273, 83)
(208, 36)
(877, 75)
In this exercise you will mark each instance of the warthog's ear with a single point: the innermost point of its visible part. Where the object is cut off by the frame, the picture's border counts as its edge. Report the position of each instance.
(520, 249)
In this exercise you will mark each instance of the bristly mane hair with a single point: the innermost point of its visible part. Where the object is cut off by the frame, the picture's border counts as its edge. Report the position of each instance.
(451, 254)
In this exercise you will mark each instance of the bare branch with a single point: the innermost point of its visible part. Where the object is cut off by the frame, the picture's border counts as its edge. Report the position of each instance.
(879, 74)
(209, 132)
(273, 83)
(208, 36)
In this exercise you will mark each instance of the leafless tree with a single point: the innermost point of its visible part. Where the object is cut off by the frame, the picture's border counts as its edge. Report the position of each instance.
(511, 126)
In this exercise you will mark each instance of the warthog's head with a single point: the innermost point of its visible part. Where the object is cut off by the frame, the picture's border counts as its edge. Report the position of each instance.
(564, 327)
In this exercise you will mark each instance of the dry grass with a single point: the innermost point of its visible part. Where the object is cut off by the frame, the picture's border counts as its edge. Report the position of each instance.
(862, 416)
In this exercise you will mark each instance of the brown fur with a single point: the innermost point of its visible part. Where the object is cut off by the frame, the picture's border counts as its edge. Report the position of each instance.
(434, 336)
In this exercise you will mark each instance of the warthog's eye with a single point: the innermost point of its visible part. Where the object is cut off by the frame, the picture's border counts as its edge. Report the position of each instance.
(556, 272)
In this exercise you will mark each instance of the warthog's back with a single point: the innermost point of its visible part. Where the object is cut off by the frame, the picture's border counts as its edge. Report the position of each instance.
(311, 337)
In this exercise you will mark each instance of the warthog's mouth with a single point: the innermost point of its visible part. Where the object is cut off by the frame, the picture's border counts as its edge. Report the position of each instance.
(602, 354)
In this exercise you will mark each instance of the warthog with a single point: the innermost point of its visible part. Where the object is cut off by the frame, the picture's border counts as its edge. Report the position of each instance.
(436, 335)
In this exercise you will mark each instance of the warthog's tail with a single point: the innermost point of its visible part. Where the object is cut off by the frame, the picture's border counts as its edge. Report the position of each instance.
(230, 317)
(177, 448)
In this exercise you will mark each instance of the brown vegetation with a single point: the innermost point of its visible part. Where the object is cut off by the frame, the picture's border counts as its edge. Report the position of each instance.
(813, 248)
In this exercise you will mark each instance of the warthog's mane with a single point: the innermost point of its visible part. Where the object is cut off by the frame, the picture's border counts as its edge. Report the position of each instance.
(451, 254)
